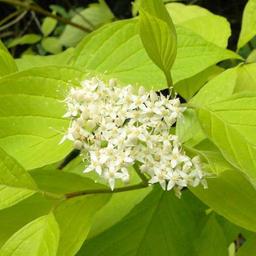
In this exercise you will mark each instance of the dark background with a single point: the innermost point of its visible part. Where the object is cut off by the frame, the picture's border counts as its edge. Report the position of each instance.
(231, 9)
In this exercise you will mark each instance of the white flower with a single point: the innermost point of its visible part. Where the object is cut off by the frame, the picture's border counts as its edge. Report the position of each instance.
(114, 128)
(159, 177)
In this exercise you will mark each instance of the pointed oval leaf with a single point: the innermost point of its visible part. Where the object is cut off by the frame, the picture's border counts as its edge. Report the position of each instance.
(232, 196)
(231, 126)
(15, 183)
(48, 25)
(117, 51)
(31, 114)
(159, 225)
(75, 217)
(26, 39)
(7, 63)
(211, 27)
(38, 238)
(248, 30)
(158, 35)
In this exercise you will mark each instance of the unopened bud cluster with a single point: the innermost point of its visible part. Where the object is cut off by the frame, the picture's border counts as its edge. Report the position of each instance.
(114, 128)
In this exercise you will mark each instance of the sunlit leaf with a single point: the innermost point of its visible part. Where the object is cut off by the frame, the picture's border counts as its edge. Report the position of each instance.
(48, 25)
(26, 39)
(248, 30)
(231, 126)
(15, 183)
(91, 17)
(211, 27)
(116, 51)
(31, 114)
(38, 238)
(52, 45)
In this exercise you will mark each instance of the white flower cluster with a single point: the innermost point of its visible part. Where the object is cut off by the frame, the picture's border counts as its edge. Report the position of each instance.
(115, 128)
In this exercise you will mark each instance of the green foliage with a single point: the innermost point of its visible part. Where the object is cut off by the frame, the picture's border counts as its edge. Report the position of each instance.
(92, 17)
(75, 217)
(15, 183)
(187, 88)
(31, 61)
(116, 51)
(15, 217)
(212, 28)
(213, 235)
(48, 26)
(26, 39)
(248, 29)
(31, 114)
(230, 124)
(40, 237)
(213, 91)
(158, 35)
(116, 209)
(7, 63)
(52, 45)
(230, 194)
(152, 228)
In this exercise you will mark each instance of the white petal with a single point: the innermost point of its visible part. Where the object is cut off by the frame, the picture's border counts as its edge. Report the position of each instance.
(111, 183)
(153, 180)
(170, 185)
(163, 185)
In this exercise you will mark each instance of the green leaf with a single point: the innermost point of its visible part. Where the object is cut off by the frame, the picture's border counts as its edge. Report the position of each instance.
(188, 128)
(15, 217)
(26, 39)
(52, 45)
(116, 50)
(212, 234)
(38, 238)
(119, 205)
(31, 114)
(160, 225)
(248, 30)
(211, 27)
(15, 183)
(252, 57)
(48, 26)
(189, 87)
(217, 89)
(158, 35)
(231, 126)
(230, 230)
(246, 78)
(212, 156)
(94, 16)
(7, 63)
(32, 61)
(2, 47)
(195, 55)
(113, 211)
(53, 180)
(238, 79)
(75, 217)
(231, 195)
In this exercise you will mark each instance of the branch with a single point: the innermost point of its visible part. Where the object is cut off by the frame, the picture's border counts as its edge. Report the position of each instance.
(105, 191)
(10, 16)
(13, 22)
(140, 174)
(40, 10)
